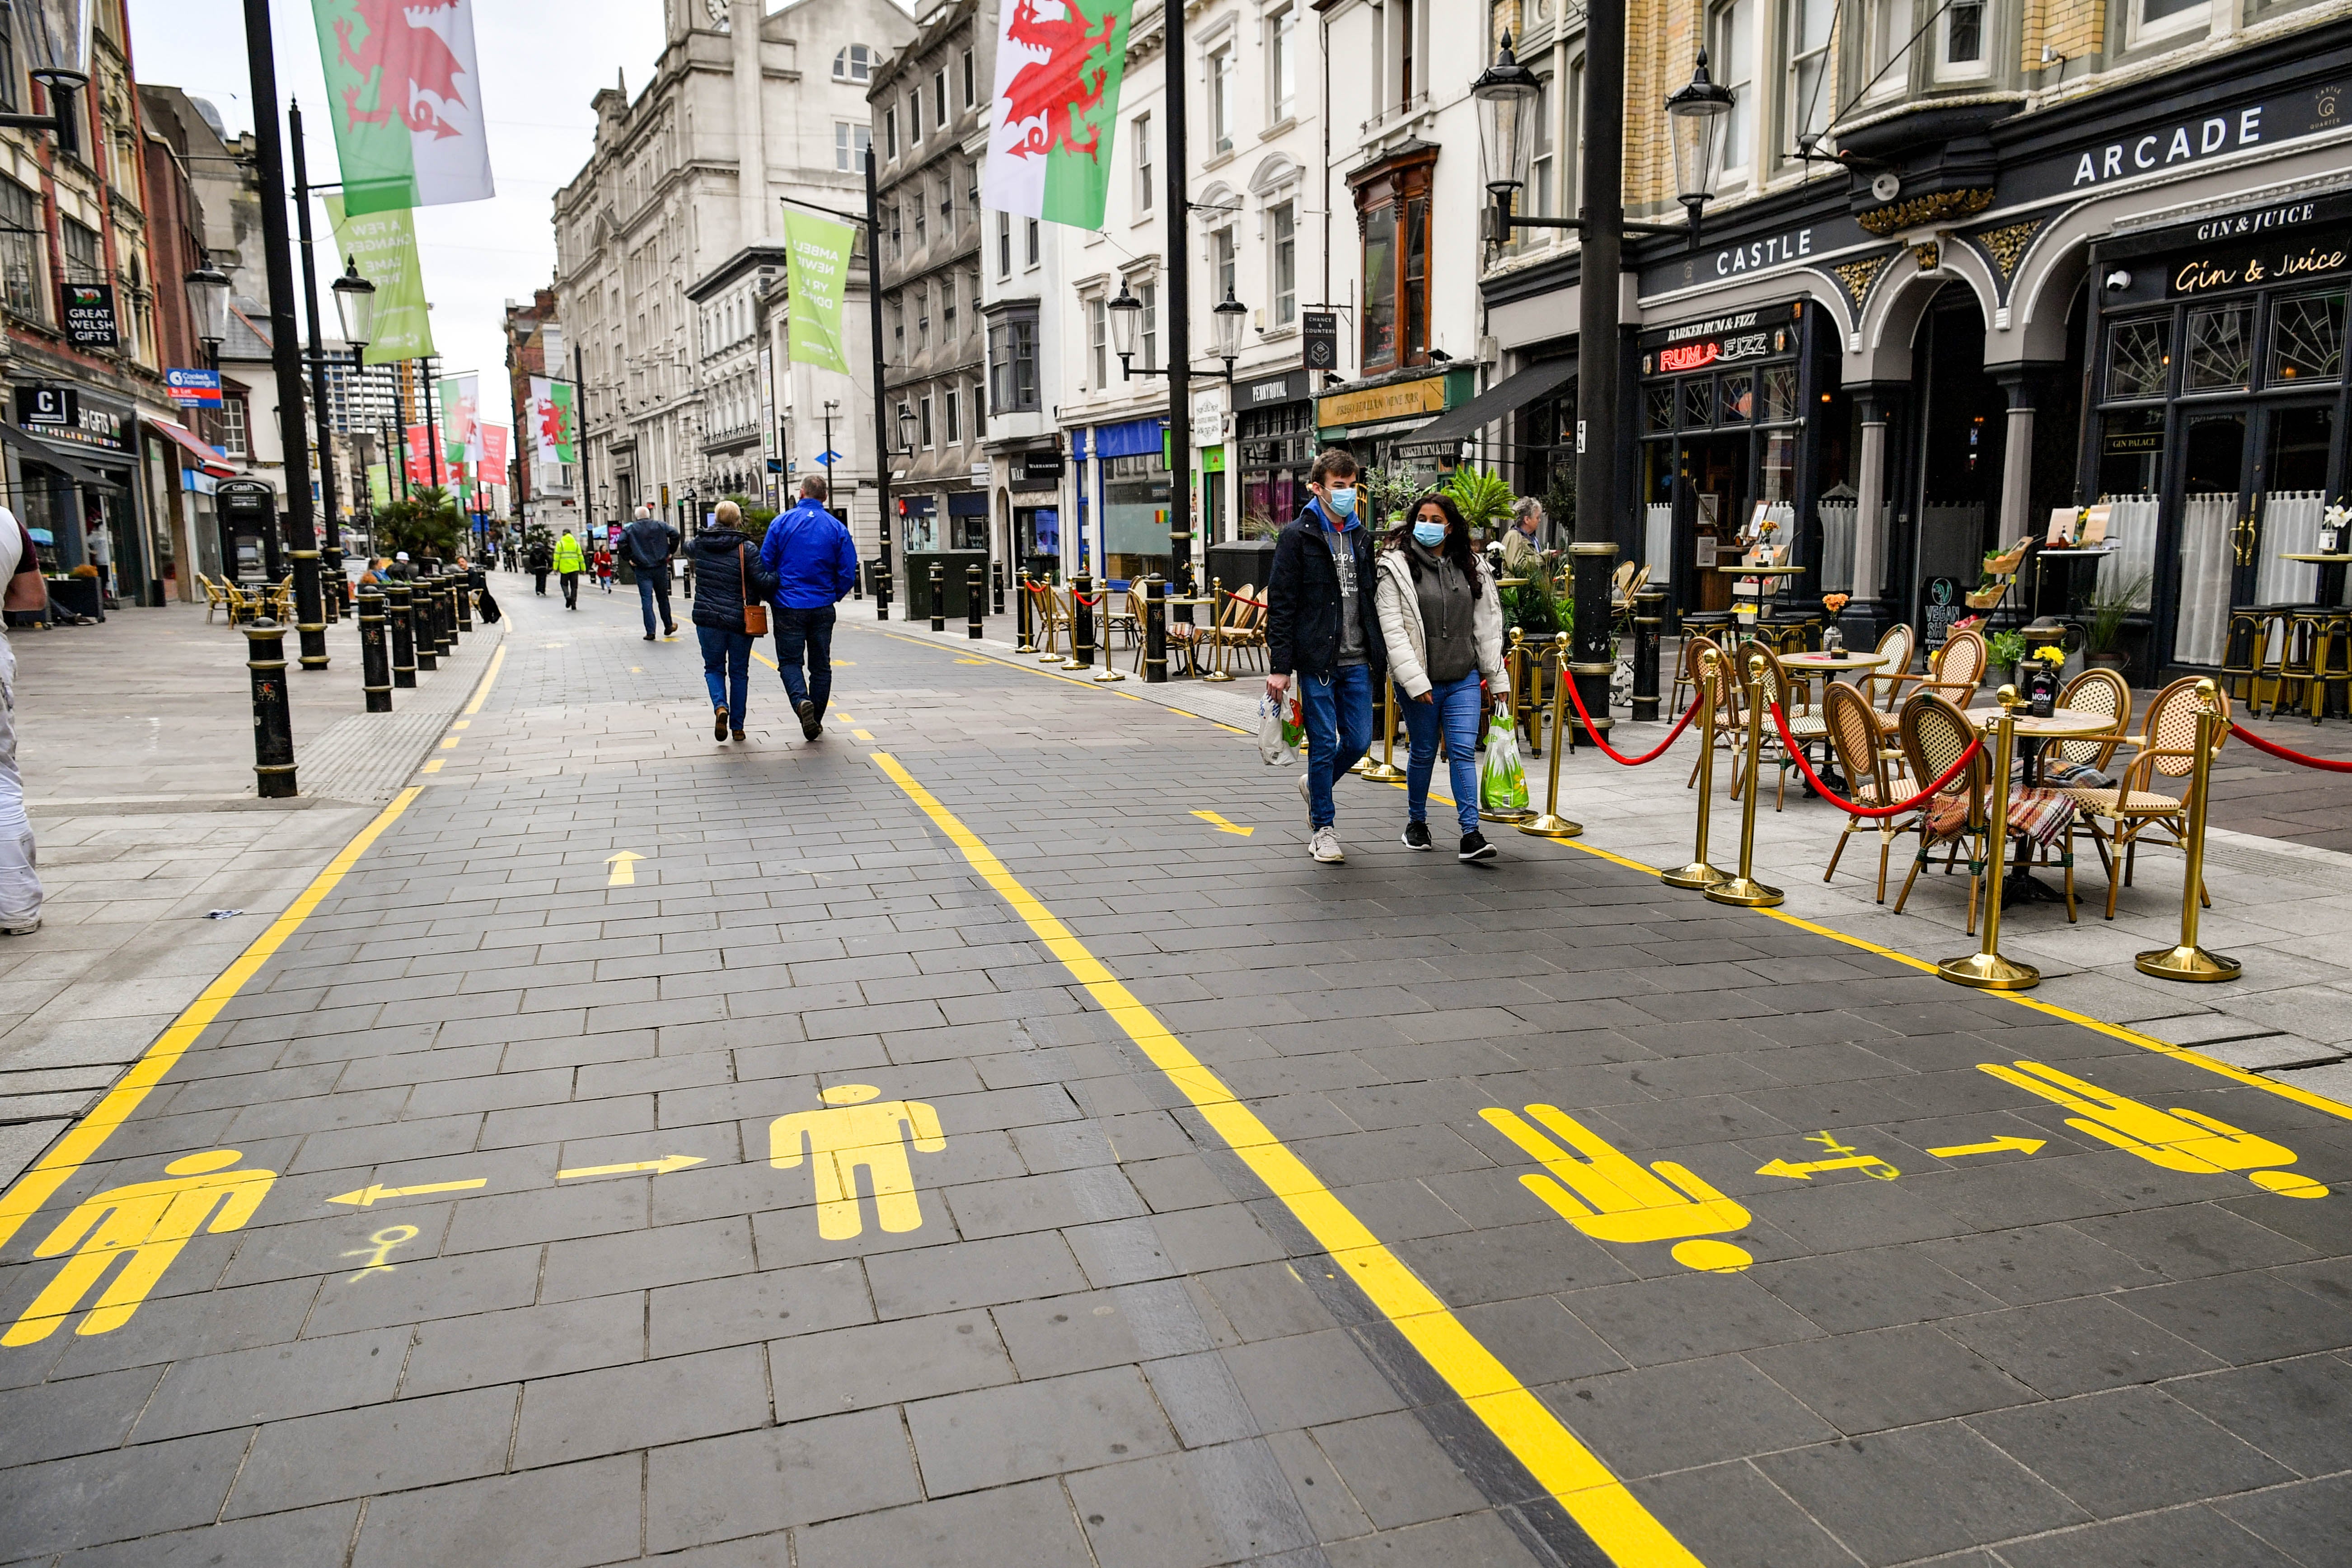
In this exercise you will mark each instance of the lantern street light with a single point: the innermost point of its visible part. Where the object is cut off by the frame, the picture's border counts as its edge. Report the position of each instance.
(1697, 115)
(208, 304)
(355, 306)
(56, 34)
(1127, 319)
(906, 428)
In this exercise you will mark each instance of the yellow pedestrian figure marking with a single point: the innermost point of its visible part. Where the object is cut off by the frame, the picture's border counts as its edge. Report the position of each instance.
(852, 1135)
(1221, 825)
(662, 1167)
(384, 1240)
(1870, 1165)
(146, 1223)
(2177, 1140)
(1990, 1146)
(624, 869)
(1610, 1197)
(366, 1197)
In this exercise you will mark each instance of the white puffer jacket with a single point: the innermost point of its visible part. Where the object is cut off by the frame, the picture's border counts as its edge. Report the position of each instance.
(1399, 603)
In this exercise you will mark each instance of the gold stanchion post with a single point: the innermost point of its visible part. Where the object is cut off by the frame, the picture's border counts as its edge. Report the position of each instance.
(1698, 874)
(1027, 605)
(1744, 889)
(1385, 771)
(1551, 824)
(2188, 960)
(1216, 630)
(1986, 969)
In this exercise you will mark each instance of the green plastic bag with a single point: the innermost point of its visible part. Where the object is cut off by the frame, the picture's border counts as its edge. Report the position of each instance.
(1502, 782)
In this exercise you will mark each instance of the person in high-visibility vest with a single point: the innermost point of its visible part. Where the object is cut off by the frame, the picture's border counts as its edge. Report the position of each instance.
(569, 564)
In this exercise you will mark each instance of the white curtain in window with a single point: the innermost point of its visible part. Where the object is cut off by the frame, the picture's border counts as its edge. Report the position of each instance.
(2206, 522)
(1837, 546)
(2131, 527)
(1658, 541)
(2290, 523)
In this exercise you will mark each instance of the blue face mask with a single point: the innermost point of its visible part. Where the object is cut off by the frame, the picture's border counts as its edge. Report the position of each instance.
(1429, 535)
(1343, 499)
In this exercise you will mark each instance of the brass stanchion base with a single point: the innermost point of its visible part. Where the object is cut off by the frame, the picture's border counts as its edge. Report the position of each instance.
(1988, 971)
(1106, 673)
(1550, 827)
(1698, 875)
(1746, 892)
(1512, 818)
(2189, 962)
(1215, 675)
(1382, 772)
(1068, 663)
(1024, 646)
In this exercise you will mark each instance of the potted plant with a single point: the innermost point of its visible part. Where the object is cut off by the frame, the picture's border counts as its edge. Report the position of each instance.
(2109, 609)
(1833, 635)
(2007, 649)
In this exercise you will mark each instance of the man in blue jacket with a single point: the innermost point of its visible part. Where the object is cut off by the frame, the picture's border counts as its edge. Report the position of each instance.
(810, 556)
(1322, 628)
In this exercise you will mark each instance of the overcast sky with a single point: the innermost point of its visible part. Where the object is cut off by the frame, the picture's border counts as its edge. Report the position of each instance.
(540, 62)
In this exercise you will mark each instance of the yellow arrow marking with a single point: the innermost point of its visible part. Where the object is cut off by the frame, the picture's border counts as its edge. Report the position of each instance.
(1803, 1172)
(1220, 825)
(667, 1163)
(2022, 1145)
(624, 869)
(368, 1196)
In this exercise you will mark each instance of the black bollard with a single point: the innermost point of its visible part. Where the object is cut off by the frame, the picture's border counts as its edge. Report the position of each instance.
(461, 588)
(273, 723)
(1082, 625)
(938, 596)
(425, 606)
(975, 601)
(882, 589)
(401, 623)
(375, 659)
(332, 585)
(445, 615)
(1649, 626)
(1155, 631)
(309, 599)
(996, 587)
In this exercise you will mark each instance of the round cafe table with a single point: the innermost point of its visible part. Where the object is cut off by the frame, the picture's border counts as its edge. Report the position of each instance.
(2064, 723)
(1828, 666)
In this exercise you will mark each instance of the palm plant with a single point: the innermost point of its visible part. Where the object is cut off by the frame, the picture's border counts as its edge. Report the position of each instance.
(1484, 498)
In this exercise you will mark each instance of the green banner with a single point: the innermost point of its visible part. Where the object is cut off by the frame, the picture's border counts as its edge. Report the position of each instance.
(567, 423)
(816, 278)
(380, 484)
(384, 246)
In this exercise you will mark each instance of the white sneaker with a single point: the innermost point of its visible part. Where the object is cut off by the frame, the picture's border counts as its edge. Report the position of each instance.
(23, 925)
(1325, 847)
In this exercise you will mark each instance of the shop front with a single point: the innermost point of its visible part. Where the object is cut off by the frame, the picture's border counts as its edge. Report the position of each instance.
(1378, 421)
(1030, 501)
(1274, 421)
(1129, 464)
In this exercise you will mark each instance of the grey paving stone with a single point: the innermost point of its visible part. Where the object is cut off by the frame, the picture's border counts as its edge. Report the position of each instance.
(2244, 1317)
(426, 1289)
(1480, 1537)
(375, 1450)
(77, 1415)
(123, 1494)
(274, 1383)
(1728, 1515)
(491, 1348)
(991, 1437)
(2062, 1347)
(1680, 1316)
(744, 1308)
(1395, 1471)
(752, 1483)
(1889, 1377)
(2194, 1239)
(2127, 1451)
(1657, 1419)
(1308, 1380)
(1226, 1504)
(2299, 1412)
(2176, 1537)
(886, 1363)
(2039, 1263)
(555, 1214)
(281, 1541)
(572, 1516)
(630, 1260)
(943, 1279)
(1956, 1490)
(1031, 1524)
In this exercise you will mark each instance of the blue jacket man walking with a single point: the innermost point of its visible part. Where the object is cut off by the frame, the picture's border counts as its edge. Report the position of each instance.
(814, 562)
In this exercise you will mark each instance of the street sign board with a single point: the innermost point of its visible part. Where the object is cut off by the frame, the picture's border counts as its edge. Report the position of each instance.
(89, 315)
(193, 388)
(1320, 330)
(51, 407)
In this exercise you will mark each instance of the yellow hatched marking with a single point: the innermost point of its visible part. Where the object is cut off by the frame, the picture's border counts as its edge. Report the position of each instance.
(435, 765)
(863, 735)
(449, 743)
(1561, 1465)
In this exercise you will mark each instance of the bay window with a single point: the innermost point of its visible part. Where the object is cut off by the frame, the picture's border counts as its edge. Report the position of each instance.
(1392, 218)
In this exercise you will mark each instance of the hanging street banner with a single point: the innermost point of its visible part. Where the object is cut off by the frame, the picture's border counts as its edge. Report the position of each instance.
(493, 460)
(816, 276)
(461, 437)
(384, 246)
(1059, 64)
(380, 484)
(554, 426)
(406, 101)
(420, 456)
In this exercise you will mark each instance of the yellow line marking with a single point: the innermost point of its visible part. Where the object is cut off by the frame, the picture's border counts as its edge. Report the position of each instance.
(662, 1167)
(1561, 1465)
(1990, 1146)
(481, 692)
(461, 725)
(369, 1194)
(841, 717)
(624, 869)
(763, 658)
(449, 743)
(54, 1169)
(435, 765)
(1221, 825)
(863, 735)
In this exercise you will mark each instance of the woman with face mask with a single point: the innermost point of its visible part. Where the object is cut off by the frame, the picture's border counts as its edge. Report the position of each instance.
(1442, 618)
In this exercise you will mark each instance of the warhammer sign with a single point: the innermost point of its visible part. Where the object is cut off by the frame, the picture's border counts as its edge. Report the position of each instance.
(89, 315)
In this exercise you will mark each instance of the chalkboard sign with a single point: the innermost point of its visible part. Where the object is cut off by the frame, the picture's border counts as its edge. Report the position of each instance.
(1944, 605)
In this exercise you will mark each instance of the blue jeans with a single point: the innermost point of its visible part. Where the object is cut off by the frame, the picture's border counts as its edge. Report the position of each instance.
(1455, 711)
(652, 585)
(809, 630)
(1337, 707)
(727, 668)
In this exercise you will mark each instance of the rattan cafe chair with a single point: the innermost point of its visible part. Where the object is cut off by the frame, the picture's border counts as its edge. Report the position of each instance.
(1933, 733)
(2137, 805)
(1871, 777)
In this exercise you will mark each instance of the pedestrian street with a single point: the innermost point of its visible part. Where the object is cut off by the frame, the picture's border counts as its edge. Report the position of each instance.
(981, 1135)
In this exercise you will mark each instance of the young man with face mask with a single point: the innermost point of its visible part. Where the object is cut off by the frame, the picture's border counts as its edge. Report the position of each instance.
(1323, 630)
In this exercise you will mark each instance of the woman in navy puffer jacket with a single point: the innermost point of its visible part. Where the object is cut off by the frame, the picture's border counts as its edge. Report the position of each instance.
(727, 574)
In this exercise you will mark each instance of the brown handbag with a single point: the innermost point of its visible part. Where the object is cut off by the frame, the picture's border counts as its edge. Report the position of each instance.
(755, 616)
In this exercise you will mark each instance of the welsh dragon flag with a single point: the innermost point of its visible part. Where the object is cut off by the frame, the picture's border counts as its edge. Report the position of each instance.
(406, 102)
(552, 419)
(1058, 68)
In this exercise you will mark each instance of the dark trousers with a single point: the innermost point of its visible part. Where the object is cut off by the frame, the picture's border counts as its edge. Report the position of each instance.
(653, 585)
(727, 668)
(809, 633)
(571, 590)
(541, 577)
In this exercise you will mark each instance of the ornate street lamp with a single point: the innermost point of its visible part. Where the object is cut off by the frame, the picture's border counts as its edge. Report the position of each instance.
(1127, 319)
(1697, 115)
(1226, 330)
(208, 304)
(905, 427)
(355, 306)
(56, 34)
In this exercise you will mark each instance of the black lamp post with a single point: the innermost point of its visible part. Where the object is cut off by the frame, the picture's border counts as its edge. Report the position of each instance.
(906, 446)
(208, 304)
(1127, 318)
(55, 35)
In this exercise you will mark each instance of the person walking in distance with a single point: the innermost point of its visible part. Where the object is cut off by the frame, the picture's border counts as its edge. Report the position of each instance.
(20, 886)
(569, 563)
(1442, 620)
(1322, 627)
(651, 542)
(814, 562)
(541, 560)
(728, 613)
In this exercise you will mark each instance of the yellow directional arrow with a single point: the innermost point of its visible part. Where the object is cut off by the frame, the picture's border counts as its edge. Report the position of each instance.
(1220, 825)
(371, 1194)
(1995, 1146)
(1804, 1171)
(624, 869)
(668, 1163)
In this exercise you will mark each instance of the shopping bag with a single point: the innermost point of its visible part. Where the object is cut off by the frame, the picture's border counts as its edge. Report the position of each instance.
(1502, 782)
(1273, 744)
(1294, 717)
(486, 609)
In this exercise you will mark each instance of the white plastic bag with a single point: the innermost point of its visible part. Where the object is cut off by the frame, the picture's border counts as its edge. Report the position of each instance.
(1271, 748)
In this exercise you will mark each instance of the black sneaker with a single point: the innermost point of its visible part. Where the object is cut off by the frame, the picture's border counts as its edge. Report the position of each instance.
(1416, 835)
(810, 727)
(1476, 847)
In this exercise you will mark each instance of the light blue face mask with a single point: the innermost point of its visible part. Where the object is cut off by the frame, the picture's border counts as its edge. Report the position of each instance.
(1429, 535)
(1343, 499)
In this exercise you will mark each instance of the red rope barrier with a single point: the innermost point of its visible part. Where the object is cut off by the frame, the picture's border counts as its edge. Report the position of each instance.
(2258, 743)
(1848, 806)
(1611, 752)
